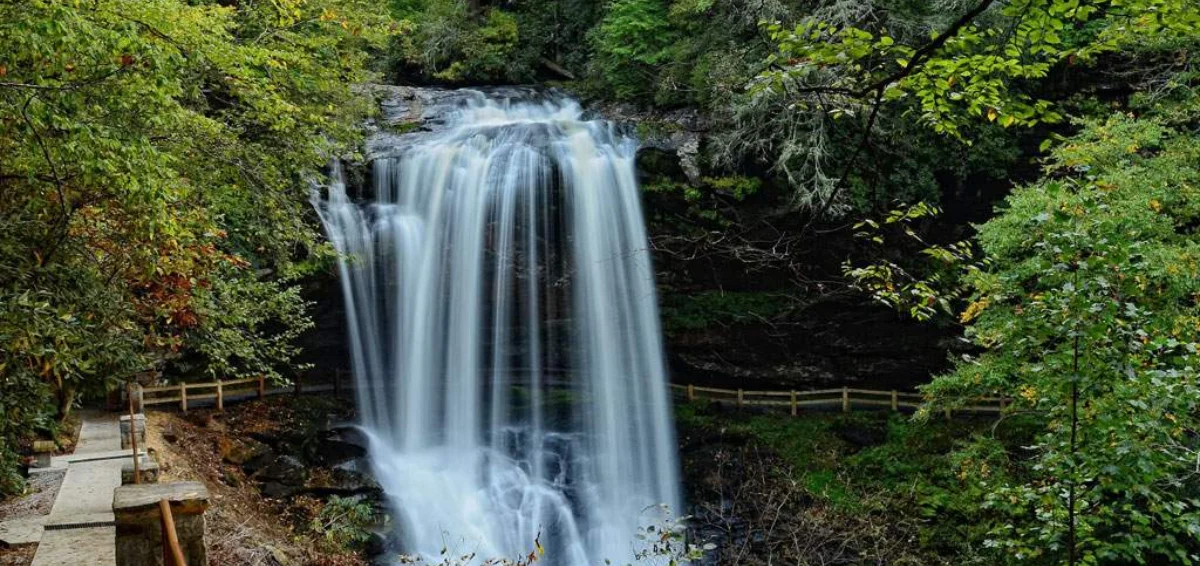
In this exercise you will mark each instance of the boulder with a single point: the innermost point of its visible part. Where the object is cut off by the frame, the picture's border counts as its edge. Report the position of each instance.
(258, 462)
(376, 545)
(276, 490)
(345, 482)
(333, 451)
(240, 451)
(285, 470)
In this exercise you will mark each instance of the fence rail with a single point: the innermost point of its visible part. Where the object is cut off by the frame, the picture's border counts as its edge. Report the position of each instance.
(848, 398)
(182, 392)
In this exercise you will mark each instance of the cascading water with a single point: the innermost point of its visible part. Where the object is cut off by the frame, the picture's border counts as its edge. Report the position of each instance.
(505, 335)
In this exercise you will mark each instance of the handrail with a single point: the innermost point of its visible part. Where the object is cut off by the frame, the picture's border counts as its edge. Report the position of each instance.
(848, 397)
(183, 392)
(172, 553)
(137, 470)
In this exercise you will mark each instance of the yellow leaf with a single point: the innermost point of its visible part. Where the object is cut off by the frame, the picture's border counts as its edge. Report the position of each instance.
(973, 310)
(991, 114)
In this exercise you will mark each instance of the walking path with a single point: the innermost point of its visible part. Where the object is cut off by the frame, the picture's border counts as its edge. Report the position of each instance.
(79, 528)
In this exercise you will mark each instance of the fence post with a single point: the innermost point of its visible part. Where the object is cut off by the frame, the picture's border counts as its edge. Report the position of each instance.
(220, 397)
(141, 405)
(740, 399)
(895, 400)
(795, 409)
(183, 397)
(948, 413)
(262, 387)
(1002, 404)
(691, 392)
(845, 399)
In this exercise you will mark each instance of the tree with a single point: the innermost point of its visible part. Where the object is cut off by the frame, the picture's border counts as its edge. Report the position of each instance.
(847, 72)
(1087, 318)
(155, 158)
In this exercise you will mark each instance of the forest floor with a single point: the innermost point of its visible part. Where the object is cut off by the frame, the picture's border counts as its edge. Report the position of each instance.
(37, 501)
(828, 488)
(243, 527)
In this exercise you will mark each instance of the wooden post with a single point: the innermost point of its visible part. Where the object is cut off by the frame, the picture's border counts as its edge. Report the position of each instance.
(183, 397)
(691, 392)
(795, 407)
(895, 401)
(220, 397)
(948, 413)
(740, 399)
(137, 472)
(1002, 404)
(172, 553)
(141, 405)
(262, 387)
(845, 399)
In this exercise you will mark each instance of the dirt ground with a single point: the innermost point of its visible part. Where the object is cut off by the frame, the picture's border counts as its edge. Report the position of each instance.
(242, 526)
(17, 555)
(38, 499)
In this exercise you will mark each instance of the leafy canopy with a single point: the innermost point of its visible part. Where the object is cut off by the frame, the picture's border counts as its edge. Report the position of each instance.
(154, 157)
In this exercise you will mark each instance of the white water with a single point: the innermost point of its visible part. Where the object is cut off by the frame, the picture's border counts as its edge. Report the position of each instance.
(505, 335)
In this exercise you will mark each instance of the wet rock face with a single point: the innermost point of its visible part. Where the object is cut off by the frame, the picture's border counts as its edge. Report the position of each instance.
(837, 342)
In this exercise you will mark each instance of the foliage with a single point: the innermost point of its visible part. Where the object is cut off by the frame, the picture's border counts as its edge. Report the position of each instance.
(923, 478)
(632, 40)
(153, 184)
(923, 290)
(453, 43)
(1088, 320)
(345, 522)
(845, 78)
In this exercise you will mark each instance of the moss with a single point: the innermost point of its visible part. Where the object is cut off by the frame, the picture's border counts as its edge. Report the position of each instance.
(405, 127)
(647, 129)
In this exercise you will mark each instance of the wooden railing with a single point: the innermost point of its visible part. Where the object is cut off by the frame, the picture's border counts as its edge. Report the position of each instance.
(847, 398)
(172, 553)
(183, 392)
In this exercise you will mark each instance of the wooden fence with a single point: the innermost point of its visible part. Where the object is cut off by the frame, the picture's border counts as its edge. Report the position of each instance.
(184, 392)
(847, 398)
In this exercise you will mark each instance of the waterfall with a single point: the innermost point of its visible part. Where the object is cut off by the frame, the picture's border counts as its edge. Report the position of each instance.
(505, 336)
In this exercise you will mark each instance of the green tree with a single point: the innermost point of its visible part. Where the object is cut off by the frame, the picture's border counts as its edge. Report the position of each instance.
(1088, 320)
(841, 73)
(155, 158)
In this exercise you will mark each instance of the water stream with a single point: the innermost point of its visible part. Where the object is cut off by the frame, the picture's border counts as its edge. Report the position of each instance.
(505, 335)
